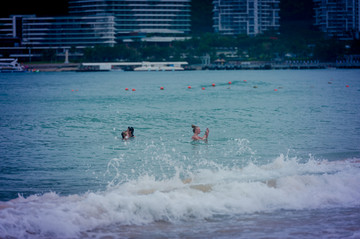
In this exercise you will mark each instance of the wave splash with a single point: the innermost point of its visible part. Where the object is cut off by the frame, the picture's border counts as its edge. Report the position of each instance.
(283, 184)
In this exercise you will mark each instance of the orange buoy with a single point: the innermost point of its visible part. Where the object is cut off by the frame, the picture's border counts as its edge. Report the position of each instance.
(126, 88)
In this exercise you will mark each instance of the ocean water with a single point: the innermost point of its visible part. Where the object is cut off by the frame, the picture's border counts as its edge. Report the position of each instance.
(282, 159)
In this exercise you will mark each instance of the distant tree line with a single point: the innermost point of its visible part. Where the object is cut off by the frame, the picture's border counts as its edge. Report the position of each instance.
(301, 45)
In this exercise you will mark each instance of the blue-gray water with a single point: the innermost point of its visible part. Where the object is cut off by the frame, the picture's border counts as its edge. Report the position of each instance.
(278, 164)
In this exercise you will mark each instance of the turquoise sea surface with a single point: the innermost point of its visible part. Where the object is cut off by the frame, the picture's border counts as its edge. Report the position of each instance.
(282, 159)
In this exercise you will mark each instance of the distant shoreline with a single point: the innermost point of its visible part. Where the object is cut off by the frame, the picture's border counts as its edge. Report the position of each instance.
(51, 67)
(62, 67)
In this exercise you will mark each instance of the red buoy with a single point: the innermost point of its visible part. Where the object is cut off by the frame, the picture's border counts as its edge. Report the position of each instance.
(203, 88)
(133, 90)
(126, 88)
(275, 90)
(347, 86)
(161, 88)
(189, 87)
(213, 85)
(229, 82)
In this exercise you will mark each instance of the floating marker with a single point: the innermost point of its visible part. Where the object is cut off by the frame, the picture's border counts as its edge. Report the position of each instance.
(244, 80)
(275, 89)
(126, 88)
(189, 87)
(229, 82)
(213, 85)
(347, 86)
(133, 90)
(161, 88)
(72, 90)
(203, 88)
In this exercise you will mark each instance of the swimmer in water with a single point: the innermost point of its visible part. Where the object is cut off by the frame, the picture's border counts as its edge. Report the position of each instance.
(130, 132)
(196, 130)
(124, 135)
(127, 134)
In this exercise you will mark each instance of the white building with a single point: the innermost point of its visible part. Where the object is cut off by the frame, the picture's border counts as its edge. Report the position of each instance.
(249, 17)
(338, 18)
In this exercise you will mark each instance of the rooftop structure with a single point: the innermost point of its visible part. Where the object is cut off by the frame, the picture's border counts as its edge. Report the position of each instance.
(338, 18)
(249, 17)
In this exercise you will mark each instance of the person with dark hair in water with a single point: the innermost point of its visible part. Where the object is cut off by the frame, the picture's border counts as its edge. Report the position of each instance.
(196, 130)
(127, 134)
(130, 131)
(124, 135)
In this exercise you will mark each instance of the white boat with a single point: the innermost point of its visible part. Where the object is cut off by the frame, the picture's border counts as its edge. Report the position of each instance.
(9, 65)
(161, 66)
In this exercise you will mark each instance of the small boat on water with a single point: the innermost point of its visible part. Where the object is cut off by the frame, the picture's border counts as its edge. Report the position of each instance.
(10, 65)
(161, 66)
(133, 66)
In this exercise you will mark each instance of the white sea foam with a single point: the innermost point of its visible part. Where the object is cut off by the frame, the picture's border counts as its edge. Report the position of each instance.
(208, 193)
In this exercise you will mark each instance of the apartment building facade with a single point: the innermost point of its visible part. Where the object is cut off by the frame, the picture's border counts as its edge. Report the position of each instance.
(26, 36)
(338, 18)
(68, 31)
(250, 17)
(138, 18)
(95, 22)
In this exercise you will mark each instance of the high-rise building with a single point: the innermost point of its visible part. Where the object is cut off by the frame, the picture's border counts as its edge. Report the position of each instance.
(68, 31)
(104, 22)
(249, 17)
(136, 18)
(26, 36)
(338, 18)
